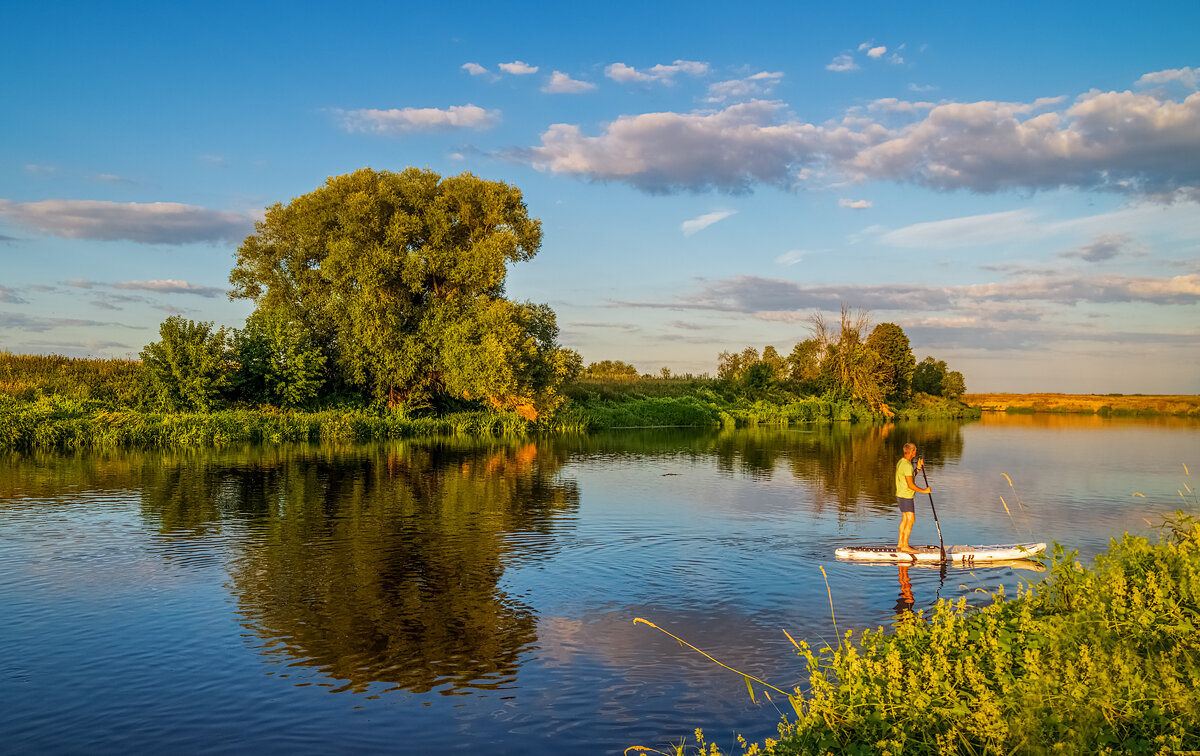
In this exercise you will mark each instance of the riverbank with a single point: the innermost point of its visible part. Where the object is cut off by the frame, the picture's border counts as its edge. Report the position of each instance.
(1089, 660)
(49, 402)
(1115, 405)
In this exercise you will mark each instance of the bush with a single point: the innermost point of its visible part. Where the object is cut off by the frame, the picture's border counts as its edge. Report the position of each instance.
(189, 369)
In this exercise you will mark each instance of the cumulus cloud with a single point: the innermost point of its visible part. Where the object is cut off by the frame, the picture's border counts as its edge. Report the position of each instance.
(171, 286)
(1139, 144)
(1188, 77)
(148, 223)
(876, 52)
(756, 85)
(1121, 141)
(844, 62)
(474, 69)
(728, 150)
(854, 204)
(702, 222)
(561, 83)
(401, 121)
(518, 68)
(661, 73)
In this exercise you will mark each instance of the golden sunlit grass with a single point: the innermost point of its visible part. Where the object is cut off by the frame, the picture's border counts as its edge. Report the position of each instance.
(1165, 404)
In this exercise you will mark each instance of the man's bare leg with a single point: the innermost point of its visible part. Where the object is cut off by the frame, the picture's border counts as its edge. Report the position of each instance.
(906, 524)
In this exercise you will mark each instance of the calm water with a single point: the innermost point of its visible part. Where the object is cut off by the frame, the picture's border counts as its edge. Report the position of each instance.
(480, 596)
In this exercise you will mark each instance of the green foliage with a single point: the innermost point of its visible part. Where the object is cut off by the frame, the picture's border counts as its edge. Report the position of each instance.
(278, 363)
(189, 369)
(1098, 660)
(400, 279)
(896, 362)
(928, 376)
(953, 385)
(613, 370)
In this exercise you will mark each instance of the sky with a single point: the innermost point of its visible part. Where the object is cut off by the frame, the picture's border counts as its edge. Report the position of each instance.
(1016, 185)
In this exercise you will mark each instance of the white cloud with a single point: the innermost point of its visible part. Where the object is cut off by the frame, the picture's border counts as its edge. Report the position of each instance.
(1188, 77)
(561, 83)
(474, 69)
(1106, 247)
(757, 85)
(171, 286)
(793, 256)
(34, 324)
(1139, 144)
(148, 223)
(396, 122)
(690, 227)
(842, 63)
(876, 52)
(729, 149)
(854, 204)
(661, 73)
(518, 68)
(921, 87)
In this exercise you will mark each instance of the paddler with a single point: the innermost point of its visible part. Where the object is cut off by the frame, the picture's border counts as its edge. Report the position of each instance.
(906, 488)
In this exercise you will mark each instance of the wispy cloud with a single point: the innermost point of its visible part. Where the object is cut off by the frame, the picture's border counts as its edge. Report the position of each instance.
(793, 256)
(854, 204)
(561, 83)
(518, 68)
(147, 223)
(1105, 247)
(755, 85)
(702, 222)
(474, 69)
(402, 121)
(1188, 77)
(10, 295)
(34, 324)
(172, 286)
(661, 73)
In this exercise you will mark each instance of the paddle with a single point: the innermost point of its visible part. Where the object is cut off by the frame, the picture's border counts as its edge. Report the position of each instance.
(941, 543)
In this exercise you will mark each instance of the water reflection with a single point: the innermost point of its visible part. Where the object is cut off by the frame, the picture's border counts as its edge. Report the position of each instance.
(383, 566)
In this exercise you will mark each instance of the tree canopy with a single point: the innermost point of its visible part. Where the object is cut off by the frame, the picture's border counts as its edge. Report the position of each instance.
(399, 277)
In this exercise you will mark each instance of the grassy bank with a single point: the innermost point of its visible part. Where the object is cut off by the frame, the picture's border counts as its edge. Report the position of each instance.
(49, 402)
(1107, 405)
(1090, 660)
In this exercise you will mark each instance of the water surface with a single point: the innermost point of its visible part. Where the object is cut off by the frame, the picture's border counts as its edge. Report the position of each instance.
(458, 595)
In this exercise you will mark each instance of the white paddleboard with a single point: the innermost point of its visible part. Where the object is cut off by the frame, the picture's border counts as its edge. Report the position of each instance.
(956, 554)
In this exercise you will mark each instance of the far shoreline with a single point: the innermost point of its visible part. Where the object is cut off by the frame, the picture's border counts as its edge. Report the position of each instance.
(1187, 405)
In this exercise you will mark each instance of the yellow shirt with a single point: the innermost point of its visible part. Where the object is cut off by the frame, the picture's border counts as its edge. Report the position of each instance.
(904, 471)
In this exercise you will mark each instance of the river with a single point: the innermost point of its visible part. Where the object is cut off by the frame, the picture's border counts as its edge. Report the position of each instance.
(451, 595)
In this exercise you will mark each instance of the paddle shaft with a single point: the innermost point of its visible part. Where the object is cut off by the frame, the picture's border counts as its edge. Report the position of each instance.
(941, 543)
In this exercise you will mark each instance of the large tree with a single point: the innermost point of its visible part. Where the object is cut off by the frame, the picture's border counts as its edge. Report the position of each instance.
(896, 361)
(399, 277)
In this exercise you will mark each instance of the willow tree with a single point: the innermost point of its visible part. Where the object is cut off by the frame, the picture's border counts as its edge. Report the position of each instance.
(400, 279)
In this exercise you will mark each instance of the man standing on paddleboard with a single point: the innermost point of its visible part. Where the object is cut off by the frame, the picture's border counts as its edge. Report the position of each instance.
(905, 489)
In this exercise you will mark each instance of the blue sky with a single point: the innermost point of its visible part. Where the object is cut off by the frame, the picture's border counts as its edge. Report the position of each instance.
(1016, 185)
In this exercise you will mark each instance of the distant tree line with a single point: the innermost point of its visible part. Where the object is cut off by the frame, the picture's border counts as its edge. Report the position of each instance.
(839, 362)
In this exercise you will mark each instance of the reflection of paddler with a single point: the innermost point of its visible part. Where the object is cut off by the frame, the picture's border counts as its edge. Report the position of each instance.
(904, 603)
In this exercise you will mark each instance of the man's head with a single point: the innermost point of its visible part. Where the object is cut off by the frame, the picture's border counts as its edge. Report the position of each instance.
(910, 450)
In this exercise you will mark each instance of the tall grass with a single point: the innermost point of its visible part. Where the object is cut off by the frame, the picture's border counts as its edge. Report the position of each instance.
(32, 376)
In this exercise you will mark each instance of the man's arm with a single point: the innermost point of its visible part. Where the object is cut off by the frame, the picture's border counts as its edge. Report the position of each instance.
(912, 486)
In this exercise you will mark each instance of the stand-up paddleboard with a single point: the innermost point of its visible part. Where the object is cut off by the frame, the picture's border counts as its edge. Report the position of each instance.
(955, 554)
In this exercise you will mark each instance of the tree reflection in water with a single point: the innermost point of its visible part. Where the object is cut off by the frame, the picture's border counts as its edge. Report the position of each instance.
(382, 564)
